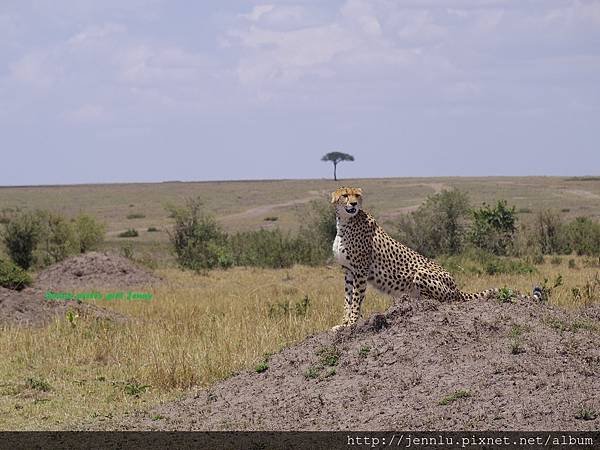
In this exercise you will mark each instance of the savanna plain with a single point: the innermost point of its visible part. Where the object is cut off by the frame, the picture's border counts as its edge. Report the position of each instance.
(199, 328)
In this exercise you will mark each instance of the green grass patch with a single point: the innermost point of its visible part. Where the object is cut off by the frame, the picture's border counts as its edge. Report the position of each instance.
(457, 395)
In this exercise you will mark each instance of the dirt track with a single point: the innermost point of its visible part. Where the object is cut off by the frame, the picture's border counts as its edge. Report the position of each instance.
(474, 366)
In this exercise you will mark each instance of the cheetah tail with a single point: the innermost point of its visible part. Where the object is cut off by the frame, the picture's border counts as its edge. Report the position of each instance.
(483, 295)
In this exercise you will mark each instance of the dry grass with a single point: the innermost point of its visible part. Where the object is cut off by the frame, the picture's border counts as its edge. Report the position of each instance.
(197, 330)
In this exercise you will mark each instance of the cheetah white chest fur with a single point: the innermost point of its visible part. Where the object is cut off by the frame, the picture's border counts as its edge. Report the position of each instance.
(339, 249)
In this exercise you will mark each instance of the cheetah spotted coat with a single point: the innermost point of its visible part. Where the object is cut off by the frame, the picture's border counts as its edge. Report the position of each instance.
(369, 254)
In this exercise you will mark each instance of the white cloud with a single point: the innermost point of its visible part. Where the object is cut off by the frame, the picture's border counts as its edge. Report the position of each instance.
(95, 34)
(257, 12)
(38, 69)
(87, 114)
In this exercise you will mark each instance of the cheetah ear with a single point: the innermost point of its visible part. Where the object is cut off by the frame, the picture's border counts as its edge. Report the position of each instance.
(334, 196)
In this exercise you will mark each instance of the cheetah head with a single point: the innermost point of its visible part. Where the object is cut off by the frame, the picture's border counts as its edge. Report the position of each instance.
(347, 201)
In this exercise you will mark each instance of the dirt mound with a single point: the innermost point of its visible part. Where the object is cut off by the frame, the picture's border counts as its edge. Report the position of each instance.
(28, 307)
(94, 270)
(102, 271)
(422, 365)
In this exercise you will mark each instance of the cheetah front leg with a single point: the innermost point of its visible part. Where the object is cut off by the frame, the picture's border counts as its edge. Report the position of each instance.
(348, 289)
(358, 295)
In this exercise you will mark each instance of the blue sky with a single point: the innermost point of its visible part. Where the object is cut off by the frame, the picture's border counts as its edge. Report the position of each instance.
(152, 90)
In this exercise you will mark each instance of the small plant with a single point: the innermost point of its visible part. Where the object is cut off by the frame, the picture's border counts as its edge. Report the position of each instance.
(134, 388)
(547, 289)
(312, 372)
(271, 219)
(506, 295)
(12, 276)
(331, 372)
(261, 367)
(301, 307)
(572, 264)
(538, 259)
(461, 393)
(136, 216)
(516, 348)
(131, 232)
(515, 335)
(329, 356)
(127, 251)
(156, 417)
(38, 384)
(586, 414)
(153, 230)
(556, 261)
(72, 317)
(363, 352)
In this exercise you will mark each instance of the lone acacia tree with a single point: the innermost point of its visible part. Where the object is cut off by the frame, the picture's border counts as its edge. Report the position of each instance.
(335, 158)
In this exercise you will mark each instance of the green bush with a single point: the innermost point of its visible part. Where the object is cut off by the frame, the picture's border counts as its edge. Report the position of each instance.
(583, 236)
(130, 232)
(480, 262)
(264, 248)
(316, 235)
(90, 234)
(57, 240)
(21, 237)
(198, 241)
(549, 232)
(493, 229)
(12, 276)
(438, 226)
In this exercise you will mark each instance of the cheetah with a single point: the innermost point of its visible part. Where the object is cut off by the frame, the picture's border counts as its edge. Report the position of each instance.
(369, 255)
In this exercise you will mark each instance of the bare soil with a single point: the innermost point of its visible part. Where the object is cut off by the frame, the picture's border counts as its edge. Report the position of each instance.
(76, 274)
(28, 307)
(94, 270)
(479, 365)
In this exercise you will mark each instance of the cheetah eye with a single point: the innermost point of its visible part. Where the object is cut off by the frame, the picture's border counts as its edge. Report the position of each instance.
(345, 195)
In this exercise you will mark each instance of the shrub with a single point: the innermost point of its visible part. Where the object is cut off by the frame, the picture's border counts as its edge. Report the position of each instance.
(549, 233)
(480, 262)
(264, 248)
(136, 216)
(493, 229)
(276, 249)
(90, 233)
(131, 232)
(438, 226)
(12, 276)
(57, 238)
(317, 234)
(197, 239)
(583, 235)
(153, 230)
(20, 237)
